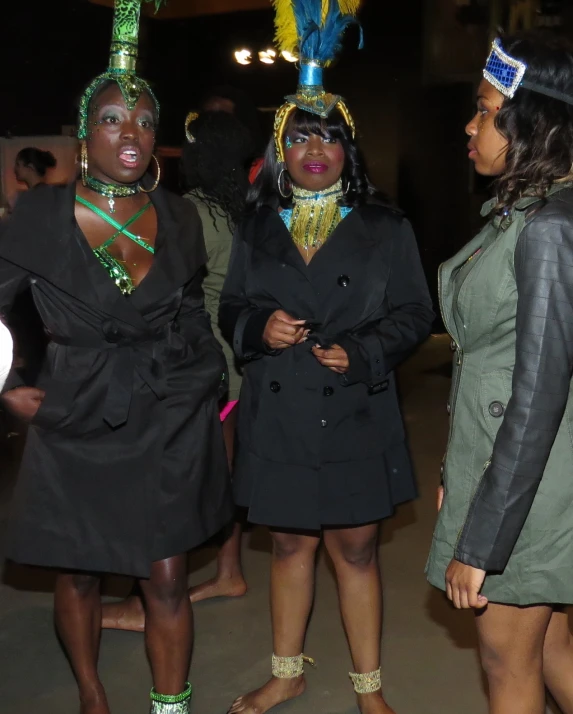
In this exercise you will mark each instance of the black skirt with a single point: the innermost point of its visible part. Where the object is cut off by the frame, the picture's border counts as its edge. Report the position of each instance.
(335, 494)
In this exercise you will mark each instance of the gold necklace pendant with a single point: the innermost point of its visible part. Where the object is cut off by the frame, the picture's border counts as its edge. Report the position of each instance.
(315, 215)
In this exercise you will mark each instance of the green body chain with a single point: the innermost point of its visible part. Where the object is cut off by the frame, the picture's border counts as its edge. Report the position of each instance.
(114, 267)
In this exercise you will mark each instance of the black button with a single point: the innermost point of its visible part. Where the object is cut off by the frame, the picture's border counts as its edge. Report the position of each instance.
(275, 387)
(496, 409)
(343, 281)
(111, 331)
(328, 391)
(323, 423)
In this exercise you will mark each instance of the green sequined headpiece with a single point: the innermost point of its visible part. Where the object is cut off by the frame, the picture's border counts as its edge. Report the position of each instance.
(122, 61)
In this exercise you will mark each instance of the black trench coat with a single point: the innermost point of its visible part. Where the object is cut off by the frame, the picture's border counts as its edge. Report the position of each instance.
(124, 462)
(316, 448)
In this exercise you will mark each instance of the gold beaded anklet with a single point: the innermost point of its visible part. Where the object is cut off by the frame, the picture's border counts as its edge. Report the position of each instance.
(366, 683)
(290, 667)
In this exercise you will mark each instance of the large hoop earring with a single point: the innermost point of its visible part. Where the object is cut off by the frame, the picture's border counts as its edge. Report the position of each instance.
(280, 184)
(346, 189)
(156, 184)
(84, 163)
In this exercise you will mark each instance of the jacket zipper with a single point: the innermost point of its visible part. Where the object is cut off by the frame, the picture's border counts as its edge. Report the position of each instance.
(459, 360)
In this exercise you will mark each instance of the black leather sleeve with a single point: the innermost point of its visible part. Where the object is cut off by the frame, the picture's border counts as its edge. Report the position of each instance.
(540, 389)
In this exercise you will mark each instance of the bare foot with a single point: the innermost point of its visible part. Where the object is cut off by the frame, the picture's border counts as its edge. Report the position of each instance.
(218, 587)
(126, 614)
(373, 704)
(94, 703)
(275, 691)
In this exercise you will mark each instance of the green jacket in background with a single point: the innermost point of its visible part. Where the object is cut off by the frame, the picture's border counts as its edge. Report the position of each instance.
(218, 241)
(507, 302)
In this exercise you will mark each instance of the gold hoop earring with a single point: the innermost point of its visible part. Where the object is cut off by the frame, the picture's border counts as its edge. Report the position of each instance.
(84, 163)
(156, 184)
(280, 184)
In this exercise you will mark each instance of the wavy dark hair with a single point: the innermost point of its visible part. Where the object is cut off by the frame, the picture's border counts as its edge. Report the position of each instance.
(358, 189)
(538, 128)
(215, 166)
(37, 159)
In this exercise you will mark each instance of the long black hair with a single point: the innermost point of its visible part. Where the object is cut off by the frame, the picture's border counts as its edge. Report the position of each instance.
(37, 159)
(215, 165)
(357, 187)
(538, 128)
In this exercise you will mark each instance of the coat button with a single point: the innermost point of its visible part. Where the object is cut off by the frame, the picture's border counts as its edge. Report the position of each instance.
(275, 387)
(453, 346)
(323, 423)
(343, 281)
(328, 391)
(449, 408)
(496, 409)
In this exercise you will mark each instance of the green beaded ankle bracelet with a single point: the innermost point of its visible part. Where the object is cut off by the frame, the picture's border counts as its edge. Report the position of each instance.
(172, 698)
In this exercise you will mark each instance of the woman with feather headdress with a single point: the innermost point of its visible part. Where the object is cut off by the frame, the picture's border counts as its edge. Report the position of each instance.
(324, 297)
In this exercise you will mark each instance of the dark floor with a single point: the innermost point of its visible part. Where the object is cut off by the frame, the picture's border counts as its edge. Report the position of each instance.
(429, 654)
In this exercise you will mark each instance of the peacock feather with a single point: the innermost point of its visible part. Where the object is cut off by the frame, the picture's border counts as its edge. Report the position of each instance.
(314, 28)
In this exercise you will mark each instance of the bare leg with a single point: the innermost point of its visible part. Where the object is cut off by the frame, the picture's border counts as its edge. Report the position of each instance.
(78, 617)
(125, 614)
(354, 553)
(511, 648)
(129, 614)
(169, 624)
(558, 661)
(292, 592)
(229, 581)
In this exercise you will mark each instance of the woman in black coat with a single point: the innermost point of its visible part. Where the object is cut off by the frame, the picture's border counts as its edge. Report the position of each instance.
(321, 443)
(124, 468)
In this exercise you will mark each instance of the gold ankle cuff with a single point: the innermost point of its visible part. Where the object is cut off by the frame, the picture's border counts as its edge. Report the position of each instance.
(366, 683)
(289, 667)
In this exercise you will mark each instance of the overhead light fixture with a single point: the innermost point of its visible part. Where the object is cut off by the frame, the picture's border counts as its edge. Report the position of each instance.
(243, 57)
(288, 56)
(267, 56)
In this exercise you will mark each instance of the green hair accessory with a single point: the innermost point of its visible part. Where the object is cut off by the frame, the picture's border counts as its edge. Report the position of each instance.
(122, 61)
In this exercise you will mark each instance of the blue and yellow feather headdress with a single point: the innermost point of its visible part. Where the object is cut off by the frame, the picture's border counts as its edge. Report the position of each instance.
(313, 29)
(122, 61)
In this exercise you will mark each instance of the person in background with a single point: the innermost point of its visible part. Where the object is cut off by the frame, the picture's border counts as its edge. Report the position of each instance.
(214, 174)
(32, 165)
(225, 98)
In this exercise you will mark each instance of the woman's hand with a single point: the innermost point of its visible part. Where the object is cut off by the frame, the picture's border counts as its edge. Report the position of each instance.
(463, 583)
(335, 358)
(24, 402)
(282, 331)
(440, 497)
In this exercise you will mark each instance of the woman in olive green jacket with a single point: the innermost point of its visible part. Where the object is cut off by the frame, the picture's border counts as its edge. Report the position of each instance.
(503, 543)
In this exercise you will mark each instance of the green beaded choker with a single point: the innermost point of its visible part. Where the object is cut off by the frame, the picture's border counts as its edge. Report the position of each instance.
(111, 190)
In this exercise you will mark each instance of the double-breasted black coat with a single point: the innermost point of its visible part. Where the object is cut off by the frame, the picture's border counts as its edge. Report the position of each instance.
(316, 448)
(124, 462)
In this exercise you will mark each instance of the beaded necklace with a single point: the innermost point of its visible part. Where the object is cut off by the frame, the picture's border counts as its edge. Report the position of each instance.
(111, 190)
(315, 214)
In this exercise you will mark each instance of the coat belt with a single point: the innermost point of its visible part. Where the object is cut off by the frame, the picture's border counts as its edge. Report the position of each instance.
(129, 352)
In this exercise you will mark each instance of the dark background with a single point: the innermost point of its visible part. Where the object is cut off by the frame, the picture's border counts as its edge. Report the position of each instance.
(410, 89)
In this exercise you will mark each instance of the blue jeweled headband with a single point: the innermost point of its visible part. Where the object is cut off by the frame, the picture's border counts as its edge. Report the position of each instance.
(507, 75)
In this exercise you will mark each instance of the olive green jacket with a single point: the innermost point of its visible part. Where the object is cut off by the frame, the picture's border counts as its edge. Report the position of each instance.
(507, 302)
(218, 241)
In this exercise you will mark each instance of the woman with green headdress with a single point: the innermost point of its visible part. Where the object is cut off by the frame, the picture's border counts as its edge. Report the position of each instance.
(124, 468)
